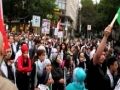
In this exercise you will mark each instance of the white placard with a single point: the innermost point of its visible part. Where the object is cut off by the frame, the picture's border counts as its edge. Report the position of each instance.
(36, 21)
(66, 28)
(88, 27)
(6, 27)
(56, 31)
(45, 26)
(60, 34)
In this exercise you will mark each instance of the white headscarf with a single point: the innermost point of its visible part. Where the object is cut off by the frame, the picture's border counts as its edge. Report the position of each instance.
(46, 62)
(41, 48)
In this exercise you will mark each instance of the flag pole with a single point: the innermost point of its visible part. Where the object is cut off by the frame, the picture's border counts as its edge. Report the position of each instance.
(65, 70)
(1, 9)
(114, 19)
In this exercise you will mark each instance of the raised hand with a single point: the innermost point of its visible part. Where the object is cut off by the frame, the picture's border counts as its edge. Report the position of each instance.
(107, 31)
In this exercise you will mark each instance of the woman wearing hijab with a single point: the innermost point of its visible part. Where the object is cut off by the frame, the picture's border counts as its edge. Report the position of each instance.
(24, 67)
(79, 76)
(47, 66)
(57, 73)
(43, 80)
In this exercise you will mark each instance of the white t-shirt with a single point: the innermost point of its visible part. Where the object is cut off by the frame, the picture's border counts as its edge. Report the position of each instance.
(92, 53)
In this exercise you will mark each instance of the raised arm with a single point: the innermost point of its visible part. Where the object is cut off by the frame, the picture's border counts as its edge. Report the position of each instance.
(101, 46)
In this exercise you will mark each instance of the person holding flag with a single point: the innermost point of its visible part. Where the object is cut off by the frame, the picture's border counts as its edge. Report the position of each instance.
(5, 84)
(97, 77)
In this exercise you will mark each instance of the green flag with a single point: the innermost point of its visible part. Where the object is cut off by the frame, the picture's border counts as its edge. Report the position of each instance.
(118, 18)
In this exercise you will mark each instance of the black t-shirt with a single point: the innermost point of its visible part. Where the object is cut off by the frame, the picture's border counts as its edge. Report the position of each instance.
(97, 78)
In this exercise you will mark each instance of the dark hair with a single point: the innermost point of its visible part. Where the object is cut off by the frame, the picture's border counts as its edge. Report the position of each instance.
(91, 48)
(57, 45)
(37, 41)
(78, 56)
(22, 43)
(10, 36)
(67, 61)
(111, 61)
(65, 46)
(16, 34)
(40, 52)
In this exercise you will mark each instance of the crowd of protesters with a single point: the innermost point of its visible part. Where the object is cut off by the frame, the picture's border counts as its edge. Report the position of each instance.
(36, 62)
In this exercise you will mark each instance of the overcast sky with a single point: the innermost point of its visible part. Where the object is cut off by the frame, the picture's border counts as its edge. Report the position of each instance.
(96, 1)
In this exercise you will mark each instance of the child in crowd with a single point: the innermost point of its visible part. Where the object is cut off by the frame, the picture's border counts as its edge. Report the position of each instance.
(43, 80)
(69, 69)
(24, 67)
(79, 76)
(38, 65)
(47, 66)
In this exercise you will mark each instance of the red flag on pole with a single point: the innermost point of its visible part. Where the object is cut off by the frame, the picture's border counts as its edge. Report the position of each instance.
(59, 25)
(2, 29)
(1, 9)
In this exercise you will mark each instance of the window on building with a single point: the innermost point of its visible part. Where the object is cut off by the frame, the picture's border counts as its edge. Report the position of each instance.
(61, 4)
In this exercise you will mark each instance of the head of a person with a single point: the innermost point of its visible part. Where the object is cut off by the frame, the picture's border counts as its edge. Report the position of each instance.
(102, 57)
(41, 54)
(30, 37)
(79, 75)
(72, 48)
(112, 64)
(88, 50)
(81, 57)
(58, 48)
(11, 39)
(68, 61)
(49, 43)
(64, 47)
(7, 54)
(43, 77)
(37, 42)
(84, 49)
(25, 49)
(47, 65)
(56, 59)
(19, 37)
(68, 45)
(16, 37)
(54, 40)
(42, 42)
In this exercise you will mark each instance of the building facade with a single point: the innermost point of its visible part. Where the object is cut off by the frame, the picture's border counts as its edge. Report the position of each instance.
(69, 9)
(72, 11)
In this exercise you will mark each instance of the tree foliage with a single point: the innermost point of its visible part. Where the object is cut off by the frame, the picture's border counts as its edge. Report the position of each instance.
(18, 9)
(107, 9)
(88, 14)
(98, 15)
(43, 7)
